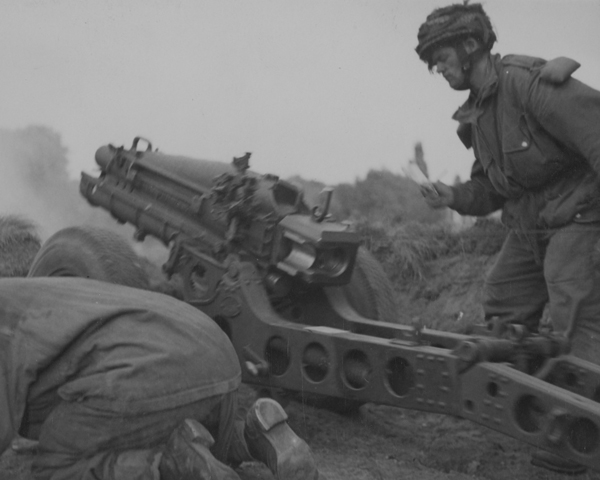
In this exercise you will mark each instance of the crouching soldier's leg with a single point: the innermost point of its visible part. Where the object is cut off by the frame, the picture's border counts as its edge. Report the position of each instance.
(79, 441)
(198, 448)
(190, 442)
(188, 455)
(264, 435)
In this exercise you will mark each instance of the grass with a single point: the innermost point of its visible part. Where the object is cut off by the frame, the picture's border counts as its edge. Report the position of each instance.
(406, 250)
(19, 243)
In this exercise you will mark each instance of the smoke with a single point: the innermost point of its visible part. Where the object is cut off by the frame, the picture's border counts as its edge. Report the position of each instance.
(35, 183)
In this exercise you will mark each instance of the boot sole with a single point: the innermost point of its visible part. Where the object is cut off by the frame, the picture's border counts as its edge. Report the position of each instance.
(272, 441)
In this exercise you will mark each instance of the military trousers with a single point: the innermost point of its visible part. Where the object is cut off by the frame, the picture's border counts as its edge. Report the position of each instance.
(561, 270)
(80, 442)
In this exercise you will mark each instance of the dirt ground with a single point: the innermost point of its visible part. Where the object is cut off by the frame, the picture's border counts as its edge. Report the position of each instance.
(380, 442)
(387, 443)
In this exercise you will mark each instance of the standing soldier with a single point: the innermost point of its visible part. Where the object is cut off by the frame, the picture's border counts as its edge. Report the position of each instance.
(535, 133)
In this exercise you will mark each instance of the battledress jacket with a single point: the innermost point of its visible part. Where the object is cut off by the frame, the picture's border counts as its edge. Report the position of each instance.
(535, 132)
(118, 349)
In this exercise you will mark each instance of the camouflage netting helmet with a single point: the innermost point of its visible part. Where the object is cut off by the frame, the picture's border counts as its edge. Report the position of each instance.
(447, 25)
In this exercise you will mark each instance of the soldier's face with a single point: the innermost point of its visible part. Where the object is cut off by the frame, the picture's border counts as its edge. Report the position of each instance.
(445, 61)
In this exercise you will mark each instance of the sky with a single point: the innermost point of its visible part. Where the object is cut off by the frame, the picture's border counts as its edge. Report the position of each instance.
(324, 89)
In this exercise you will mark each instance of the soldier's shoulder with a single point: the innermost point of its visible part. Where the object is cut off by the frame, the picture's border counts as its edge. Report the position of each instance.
(522, 62)
(555, 71)
(516, 73)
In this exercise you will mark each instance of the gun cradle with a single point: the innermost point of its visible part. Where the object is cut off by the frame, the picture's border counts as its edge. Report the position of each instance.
(270, 273)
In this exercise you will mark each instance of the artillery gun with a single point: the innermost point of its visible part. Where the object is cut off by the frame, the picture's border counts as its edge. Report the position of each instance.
(307, 308)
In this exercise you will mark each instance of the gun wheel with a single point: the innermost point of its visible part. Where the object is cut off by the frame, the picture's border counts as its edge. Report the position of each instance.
(370, 292)
(89, 252)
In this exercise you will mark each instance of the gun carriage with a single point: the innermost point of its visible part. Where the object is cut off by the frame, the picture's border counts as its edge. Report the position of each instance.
(309, 311)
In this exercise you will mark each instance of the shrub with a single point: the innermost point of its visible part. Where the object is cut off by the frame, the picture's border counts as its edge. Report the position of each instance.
(19, 243)
(485, 237)
(404, 251)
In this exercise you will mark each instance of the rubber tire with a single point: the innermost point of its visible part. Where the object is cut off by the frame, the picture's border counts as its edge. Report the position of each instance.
(371, 294)
(89, 252)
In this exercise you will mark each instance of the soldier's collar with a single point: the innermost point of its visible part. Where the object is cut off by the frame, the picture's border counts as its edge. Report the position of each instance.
(471, 109)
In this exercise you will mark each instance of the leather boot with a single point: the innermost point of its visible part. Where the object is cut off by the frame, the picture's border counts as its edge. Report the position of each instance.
(271, 441)
(550, 461)
(187, 456)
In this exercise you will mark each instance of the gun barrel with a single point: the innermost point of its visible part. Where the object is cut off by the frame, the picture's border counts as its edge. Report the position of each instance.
(221, 208)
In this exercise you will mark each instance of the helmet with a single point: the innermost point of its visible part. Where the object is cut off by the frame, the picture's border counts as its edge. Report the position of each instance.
(449, 24)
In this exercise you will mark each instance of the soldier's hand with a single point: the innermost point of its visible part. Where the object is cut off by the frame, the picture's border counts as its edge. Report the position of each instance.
(440, 198)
